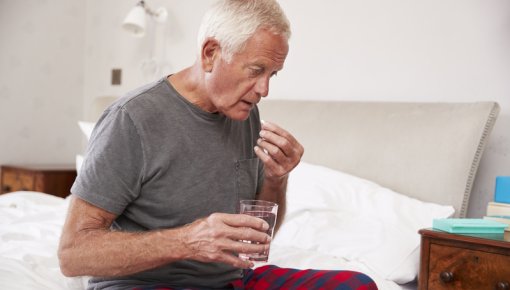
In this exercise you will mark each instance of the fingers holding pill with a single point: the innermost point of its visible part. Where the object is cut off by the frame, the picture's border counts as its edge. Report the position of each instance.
(278, 149)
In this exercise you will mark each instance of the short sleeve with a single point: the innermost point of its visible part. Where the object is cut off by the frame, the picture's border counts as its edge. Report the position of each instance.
(112, 172)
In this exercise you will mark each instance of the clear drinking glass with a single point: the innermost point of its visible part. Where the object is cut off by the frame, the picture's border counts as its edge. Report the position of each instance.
(265, 210)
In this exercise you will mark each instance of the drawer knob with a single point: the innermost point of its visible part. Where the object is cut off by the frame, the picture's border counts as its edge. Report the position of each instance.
(6, 188)
(503, 285)
(446, 277)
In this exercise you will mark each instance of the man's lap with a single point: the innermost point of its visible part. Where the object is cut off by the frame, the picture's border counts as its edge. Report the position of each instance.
(272, 277)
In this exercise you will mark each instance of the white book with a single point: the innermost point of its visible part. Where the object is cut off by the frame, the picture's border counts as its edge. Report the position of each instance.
(501, 204)
(499, 218)
(498, 209)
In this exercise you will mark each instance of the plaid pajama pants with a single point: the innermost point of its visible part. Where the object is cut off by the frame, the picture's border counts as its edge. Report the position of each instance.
(271, 277)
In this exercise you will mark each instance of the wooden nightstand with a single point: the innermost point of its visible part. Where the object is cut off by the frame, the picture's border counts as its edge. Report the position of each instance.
(455, 261)
(52, 179)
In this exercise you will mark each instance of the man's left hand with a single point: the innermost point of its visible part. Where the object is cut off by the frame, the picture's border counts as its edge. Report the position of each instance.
(279, 151)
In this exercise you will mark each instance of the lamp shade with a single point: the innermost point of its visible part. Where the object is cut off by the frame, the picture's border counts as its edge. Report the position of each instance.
(135, 21)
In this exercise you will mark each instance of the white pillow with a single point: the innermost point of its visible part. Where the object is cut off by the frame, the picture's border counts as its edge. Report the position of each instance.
(78, 162)
(345, 216)
(86, 128)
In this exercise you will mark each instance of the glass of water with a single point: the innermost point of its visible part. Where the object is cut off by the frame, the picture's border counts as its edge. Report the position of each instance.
(265, 210)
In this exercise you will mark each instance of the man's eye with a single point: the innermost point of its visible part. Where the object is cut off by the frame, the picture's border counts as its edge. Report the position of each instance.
(255, 71)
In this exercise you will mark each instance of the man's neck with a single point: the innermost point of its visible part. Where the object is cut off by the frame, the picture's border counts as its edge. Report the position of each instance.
(189, 84)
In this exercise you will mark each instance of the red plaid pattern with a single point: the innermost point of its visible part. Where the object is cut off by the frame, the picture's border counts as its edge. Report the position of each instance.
(271, 277)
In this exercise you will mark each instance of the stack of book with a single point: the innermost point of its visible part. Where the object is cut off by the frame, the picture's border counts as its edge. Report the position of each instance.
(468, 226)
(499, 212)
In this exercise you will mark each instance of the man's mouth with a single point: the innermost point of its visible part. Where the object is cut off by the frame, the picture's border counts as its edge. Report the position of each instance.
(251, 103)
(248, 103)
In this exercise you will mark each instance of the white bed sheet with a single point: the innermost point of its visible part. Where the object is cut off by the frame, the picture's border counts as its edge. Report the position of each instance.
(30, 226)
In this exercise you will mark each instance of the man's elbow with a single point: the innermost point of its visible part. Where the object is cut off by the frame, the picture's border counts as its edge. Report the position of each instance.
(67, 263)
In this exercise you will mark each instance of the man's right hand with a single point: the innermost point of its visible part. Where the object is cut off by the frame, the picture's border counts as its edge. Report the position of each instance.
(217, 237)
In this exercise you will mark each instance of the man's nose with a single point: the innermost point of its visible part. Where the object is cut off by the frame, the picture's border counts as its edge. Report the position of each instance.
(262, 87)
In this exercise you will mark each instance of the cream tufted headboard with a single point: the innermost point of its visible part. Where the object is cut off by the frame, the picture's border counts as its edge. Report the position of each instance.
(429, 151)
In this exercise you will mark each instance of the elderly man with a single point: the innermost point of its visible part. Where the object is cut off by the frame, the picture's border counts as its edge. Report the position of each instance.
(155, 202)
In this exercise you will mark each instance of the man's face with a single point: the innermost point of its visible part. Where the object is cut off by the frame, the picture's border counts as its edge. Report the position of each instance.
(235, 88)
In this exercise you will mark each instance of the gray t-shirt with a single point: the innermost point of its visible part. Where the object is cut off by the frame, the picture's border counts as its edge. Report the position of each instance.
(158, 161)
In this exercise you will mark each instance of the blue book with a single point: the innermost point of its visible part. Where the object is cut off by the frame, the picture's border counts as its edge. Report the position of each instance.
(502, 191)
(469, 226)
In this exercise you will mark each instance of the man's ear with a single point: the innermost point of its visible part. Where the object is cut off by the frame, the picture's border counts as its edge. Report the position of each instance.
(210, 52)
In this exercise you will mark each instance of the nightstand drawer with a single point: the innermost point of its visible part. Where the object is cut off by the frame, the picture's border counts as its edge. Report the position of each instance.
(463, 261)
(52, 179)
(460, 268)
(17, 181)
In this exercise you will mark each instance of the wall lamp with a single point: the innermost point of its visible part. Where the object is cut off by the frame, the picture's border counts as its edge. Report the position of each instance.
(135, 20)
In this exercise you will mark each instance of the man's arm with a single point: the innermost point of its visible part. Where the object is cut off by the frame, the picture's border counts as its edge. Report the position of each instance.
(280, 152)
(89, 247)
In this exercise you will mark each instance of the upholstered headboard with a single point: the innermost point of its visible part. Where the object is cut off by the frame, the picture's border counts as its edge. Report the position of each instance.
(429, 151)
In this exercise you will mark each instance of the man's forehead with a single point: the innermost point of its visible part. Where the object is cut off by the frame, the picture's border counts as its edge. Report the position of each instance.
(267, 51)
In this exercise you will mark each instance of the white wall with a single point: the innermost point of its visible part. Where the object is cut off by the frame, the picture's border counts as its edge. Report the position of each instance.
(172, 44)
(41, 83)
(394, 50)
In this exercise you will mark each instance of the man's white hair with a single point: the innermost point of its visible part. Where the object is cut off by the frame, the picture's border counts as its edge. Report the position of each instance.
(233, 22)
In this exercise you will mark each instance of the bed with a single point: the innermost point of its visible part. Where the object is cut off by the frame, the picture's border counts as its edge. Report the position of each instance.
(373, 174)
